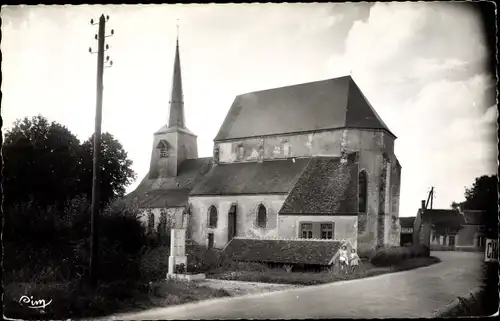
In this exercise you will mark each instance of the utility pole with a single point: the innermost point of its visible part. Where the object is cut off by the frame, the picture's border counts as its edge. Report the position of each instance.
(94, 231)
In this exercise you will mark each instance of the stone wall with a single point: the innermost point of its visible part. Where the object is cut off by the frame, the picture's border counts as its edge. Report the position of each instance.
(174, 214)
(323, 143)
(246, 217)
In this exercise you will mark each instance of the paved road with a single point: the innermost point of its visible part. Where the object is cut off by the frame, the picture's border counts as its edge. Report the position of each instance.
(415, 293)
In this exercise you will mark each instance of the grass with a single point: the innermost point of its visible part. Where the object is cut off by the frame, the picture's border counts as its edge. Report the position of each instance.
(75, 299)
(280, 276)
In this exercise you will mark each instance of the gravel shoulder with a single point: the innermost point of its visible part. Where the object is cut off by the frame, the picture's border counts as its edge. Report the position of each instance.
(238, 288)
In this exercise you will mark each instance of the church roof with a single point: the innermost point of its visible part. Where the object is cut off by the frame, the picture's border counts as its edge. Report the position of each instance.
(173, 191)
(296, 251)
(327, 104)
(161, 198)
(268, 177)
(325, 187)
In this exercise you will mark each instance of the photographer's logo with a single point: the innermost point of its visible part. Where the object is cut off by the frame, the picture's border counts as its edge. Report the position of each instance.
(33, 304)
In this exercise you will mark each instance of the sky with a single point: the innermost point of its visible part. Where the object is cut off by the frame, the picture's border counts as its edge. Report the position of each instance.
(421, 65)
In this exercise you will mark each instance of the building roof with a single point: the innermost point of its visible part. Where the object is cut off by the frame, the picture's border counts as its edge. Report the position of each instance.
(296, 251)
(474, 217)
(268, 177)
(406, 221)
(320, 105)
(326, 187)
(173, 191)
(161, 198)
(444, 218)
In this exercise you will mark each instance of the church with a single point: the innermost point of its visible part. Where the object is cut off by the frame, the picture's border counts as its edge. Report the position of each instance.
(311, 161)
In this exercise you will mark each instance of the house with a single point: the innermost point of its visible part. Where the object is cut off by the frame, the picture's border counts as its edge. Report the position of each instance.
(308, 161)
(406, 235)
(472, 235)
(450, 229)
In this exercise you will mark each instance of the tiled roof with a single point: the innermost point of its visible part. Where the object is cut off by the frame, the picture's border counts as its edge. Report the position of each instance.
(327, 104)
(445, 218)
(474, 217)
(326, 187)
(172, 191)
(316, 252)
(161, 198)
(268, 177)
(406, 221)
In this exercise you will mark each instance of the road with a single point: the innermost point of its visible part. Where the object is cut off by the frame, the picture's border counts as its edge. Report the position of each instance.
(415, 293)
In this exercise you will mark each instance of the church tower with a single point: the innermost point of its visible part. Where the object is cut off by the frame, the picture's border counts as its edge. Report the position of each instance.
(173, 143)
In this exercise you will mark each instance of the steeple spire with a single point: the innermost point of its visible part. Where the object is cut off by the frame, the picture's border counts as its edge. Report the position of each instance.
(176, 113)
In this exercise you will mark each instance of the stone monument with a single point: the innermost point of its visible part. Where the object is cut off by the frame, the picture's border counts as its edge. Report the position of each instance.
(178, 257)
(177, 250)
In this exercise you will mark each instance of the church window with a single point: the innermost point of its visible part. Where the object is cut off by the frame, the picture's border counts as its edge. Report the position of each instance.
(212, 217)
(363, 193)
(163, 147)
(306, 230)
(151, 223)
(285, 148)
(261, 216)
(241, 151)
(327, 231)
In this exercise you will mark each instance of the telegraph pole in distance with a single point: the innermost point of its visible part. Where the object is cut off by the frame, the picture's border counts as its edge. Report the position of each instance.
(94, 231)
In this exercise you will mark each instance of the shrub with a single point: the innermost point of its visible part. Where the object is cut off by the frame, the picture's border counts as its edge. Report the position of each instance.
(386, 256)
(201, 259)
(154, 263)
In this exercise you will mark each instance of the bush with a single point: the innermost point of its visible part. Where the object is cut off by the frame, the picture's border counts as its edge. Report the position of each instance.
(386, 256)
(201, 259)
(50, 244)
(154, 263)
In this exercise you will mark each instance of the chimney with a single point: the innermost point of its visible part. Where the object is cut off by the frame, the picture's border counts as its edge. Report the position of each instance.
(423, 204)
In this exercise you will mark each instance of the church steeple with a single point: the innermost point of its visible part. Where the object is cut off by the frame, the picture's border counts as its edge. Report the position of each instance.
(173, 143)
(176, 112)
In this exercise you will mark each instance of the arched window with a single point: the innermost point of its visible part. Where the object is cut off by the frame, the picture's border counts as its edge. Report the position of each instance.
(151, 223)
(261, 216)
(212, 217)
(363, 193)
(285, 148)
(163, 147)
(241, 151)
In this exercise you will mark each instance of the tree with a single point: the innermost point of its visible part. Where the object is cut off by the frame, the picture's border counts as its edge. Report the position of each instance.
(40, 160)
(45, 163)
(483, 195)
(116, 172)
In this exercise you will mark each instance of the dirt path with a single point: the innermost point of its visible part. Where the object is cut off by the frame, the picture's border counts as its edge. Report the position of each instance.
(237, 288)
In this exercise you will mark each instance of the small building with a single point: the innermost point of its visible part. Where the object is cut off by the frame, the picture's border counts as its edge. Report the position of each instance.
(406, 224)
(472, 235)
(449, 229)
(302, 254)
